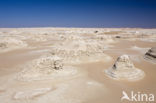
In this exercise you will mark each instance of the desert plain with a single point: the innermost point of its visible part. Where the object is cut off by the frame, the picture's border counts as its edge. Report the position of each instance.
(76, 65)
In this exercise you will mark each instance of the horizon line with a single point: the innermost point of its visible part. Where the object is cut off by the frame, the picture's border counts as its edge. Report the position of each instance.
(80, 27)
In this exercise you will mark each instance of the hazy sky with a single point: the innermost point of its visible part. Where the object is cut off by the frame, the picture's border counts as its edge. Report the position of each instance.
(78, 13)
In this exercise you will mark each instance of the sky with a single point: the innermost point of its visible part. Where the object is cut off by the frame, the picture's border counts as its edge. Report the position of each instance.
(78, 13)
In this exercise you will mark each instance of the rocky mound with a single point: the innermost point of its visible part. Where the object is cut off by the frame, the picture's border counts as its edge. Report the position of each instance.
(124, 69)
(47, 67)
(76, 52)
(151, 54)
(8, 43)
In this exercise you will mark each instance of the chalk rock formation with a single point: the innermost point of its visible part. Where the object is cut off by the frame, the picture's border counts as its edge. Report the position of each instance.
(47, 67)
(8, 43)
(30, 94)
(151, 54)
(76, 52)
(124, 69)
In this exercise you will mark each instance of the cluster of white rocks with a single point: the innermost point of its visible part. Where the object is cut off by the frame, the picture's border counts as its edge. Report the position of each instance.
(77, 52)
(46, 67)
(10, 43)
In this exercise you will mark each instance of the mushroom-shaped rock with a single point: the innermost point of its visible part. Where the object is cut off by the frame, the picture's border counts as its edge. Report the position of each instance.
(151, 54)
(124, 69)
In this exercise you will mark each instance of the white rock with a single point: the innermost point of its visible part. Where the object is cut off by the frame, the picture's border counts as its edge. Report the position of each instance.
(48, 67)
(124, 69)
(9, 43)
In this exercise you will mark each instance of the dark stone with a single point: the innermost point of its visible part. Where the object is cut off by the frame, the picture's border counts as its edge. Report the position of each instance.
(151, 54)
(95, 31)
(117, 36)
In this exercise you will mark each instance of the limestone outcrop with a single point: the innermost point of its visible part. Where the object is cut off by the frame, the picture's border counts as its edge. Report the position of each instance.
(151, 55)
(8, 43)
(46, 67)
(76, 52)
(124, 69)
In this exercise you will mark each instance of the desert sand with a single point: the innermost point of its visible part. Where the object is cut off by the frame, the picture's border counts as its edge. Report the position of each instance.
(76, 65)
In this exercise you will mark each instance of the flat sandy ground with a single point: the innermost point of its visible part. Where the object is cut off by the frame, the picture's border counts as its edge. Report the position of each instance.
(89, 84)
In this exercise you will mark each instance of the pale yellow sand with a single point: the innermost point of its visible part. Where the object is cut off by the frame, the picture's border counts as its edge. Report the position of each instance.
(84, 81)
